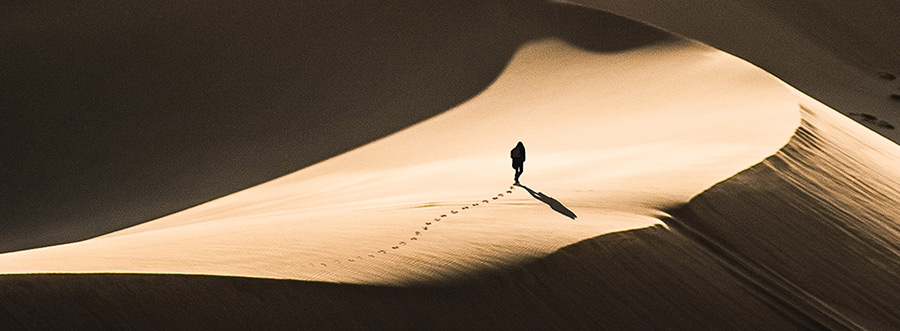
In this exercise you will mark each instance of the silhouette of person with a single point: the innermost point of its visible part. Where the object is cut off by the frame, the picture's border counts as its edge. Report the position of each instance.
(518, 160)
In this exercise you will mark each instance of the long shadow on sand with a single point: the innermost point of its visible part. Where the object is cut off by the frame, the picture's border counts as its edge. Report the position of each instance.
(553, 203)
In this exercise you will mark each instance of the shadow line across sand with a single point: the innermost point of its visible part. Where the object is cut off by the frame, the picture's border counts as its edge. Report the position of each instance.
(553, 203)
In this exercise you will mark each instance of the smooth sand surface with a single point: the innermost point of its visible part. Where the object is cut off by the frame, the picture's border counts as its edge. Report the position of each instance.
(602, 139)
(842, 53)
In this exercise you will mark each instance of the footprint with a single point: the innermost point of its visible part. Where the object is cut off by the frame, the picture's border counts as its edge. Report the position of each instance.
(418, 233)
(437, 219)
(464, 208)
(453, 212)
(351, 260)
(500, 195)
(427, 223)
(871, 119)
(895, 96)
(323, 264)
(508, 191)
(495, 198)
(443, 215)
(382, 251)
(864, 117)
(395, 247)
(485, 201)
(886, 75)
(512, 187)
(425, 228)
(413, 238)
(359, 257)
(474, 204)
(402, 243)
(371, 255)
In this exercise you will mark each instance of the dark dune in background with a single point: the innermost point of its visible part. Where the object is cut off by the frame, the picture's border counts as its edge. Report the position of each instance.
(115, 113)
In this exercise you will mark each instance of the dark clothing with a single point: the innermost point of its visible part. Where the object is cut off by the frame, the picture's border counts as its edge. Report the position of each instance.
(518, 153)
(518, 159)
(520, 168)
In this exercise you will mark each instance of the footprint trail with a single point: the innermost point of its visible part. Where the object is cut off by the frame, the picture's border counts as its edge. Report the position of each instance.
(416, 234)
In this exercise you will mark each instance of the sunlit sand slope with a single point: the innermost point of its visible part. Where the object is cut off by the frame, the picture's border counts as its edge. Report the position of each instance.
(614, 137)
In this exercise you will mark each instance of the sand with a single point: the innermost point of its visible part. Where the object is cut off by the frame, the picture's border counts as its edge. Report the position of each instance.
(708, 193)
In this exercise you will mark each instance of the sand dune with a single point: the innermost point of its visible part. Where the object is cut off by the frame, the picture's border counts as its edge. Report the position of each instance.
(708, 195)
(373, 215)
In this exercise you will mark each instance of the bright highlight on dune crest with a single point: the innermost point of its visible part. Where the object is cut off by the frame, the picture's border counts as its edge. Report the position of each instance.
(615, 138)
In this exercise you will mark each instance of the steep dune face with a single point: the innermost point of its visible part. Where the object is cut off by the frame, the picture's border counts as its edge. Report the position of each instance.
(816, 223)
(614, 138)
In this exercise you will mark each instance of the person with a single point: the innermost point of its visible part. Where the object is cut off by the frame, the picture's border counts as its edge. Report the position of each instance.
(518, 160)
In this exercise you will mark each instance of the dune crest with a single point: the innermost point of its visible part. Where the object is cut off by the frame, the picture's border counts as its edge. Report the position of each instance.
(815, 226)
(602, 138)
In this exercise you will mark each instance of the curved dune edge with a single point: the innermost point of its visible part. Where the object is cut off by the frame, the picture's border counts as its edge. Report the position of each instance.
(815, 225)
(616, 137)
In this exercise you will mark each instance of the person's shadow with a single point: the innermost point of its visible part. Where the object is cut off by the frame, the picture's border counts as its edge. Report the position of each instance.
(553, 203)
